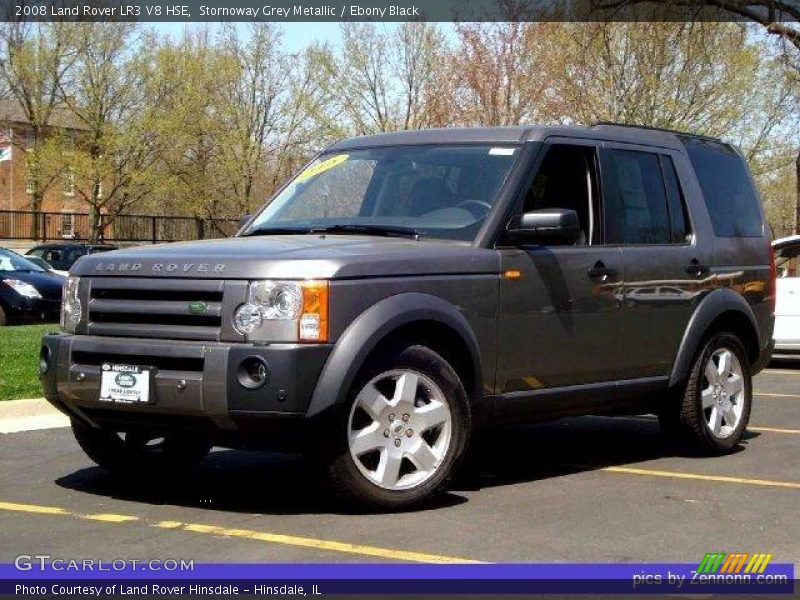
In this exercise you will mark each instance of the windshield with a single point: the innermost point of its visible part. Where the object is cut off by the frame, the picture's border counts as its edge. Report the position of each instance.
(39, 262)
(431, 191)
(11, 261)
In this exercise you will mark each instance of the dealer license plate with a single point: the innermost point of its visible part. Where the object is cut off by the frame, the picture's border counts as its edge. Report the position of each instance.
(125, 384)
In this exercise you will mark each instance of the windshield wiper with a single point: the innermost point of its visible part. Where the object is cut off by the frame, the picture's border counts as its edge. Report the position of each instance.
(368, 229)
(278, 231)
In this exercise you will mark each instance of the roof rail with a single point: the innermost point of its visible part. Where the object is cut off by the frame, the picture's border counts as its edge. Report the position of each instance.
(651, 128)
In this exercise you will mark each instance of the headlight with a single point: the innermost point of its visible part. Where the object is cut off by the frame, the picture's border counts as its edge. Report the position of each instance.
(284, 311)
(70, 305)
(22, 288)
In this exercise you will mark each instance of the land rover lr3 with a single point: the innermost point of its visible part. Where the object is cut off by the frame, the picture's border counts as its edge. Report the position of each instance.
(405, 288)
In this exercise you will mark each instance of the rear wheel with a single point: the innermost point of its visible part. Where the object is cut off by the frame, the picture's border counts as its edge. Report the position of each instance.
(403, 432)
(139, 454)
(713, 412)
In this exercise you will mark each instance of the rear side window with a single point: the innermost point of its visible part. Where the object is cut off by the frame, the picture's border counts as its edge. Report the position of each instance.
(635, 198)
(678, 218)
(728, 191)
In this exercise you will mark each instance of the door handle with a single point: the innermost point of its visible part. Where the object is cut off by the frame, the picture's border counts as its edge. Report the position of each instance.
(601, 272)
(698, 270)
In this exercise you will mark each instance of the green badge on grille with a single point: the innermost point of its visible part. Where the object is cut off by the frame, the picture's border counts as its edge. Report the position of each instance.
(198, 308)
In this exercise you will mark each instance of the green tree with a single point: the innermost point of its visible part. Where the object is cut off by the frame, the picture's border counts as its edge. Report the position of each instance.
(112, 154)
(35, 64)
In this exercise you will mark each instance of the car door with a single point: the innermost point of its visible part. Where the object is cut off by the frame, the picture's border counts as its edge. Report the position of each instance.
(666, 266)
(787, 305)
(560, 305)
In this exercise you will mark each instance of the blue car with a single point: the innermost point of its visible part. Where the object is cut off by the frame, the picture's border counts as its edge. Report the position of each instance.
(28, 293)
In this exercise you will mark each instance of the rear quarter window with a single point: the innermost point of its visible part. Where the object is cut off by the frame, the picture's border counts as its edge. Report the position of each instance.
(730, 197)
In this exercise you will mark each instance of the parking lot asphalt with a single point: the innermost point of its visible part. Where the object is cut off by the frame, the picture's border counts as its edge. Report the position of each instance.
(585, 490)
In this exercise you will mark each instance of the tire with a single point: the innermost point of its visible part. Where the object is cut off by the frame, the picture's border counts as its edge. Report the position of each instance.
(398, 391)
(130, 455)
(712, 413)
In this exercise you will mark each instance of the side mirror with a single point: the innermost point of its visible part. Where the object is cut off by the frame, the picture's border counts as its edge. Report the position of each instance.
(244, 220)
(550, 226)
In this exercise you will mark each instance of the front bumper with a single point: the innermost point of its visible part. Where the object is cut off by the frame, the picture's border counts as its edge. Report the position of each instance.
(194, 383)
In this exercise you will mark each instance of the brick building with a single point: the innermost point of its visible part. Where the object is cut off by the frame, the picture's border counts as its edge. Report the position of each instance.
(16, 137)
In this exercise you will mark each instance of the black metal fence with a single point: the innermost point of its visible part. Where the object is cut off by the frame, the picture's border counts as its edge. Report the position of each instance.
(50, 226)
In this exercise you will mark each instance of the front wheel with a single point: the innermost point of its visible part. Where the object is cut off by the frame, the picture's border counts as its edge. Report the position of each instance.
(713, 412)
(138, 454)
(403, 433)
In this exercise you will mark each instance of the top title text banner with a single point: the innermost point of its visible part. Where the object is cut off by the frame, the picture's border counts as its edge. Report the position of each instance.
(373, 10)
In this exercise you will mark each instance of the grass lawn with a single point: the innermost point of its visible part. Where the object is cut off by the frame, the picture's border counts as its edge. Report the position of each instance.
(19, 360)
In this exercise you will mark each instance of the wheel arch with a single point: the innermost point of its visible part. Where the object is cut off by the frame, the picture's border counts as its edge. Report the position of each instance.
(404, 318)
(721, 310)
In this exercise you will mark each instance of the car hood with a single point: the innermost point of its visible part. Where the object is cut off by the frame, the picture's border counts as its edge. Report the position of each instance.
(313, 256)
(47, 284)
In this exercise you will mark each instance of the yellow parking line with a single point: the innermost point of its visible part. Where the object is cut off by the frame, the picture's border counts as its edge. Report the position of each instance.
(110, 518)
(776, 395)
(33, 508)
(259, 536)
(698, 476)
(647, 419)
(782, 371)
(292, 540)
(773, 430)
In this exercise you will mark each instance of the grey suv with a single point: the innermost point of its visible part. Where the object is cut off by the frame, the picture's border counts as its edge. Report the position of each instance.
(406, 288)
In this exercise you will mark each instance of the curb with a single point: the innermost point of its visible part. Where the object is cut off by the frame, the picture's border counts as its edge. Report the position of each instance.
(30, 414)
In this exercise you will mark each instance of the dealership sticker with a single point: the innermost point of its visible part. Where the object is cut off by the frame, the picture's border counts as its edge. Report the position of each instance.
(502, 151)
(321, 167)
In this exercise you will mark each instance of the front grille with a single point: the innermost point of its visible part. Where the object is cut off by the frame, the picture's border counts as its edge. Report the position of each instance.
(188, 309)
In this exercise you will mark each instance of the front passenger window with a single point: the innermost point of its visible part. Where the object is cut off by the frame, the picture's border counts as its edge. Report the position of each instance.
(567, 178)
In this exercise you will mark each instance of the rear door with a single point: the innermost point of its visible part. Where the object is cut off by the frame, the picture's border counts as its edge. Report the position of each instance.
(666, 266)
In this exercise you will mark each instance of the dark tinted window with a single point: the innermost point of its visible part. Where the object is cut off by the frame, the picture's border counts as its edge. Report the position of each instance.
(731, 200)
(567, 178)
(635, 199)
(678, 218)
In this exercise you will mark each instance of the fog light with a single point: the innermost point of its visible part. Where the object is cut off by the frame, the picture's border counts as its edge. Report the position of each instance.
(247, 318)
(44, 359)
(253, 372)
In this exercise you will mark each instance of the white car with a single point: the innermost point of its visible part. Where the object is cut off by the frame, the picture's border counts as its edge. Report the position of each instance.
(787, 306)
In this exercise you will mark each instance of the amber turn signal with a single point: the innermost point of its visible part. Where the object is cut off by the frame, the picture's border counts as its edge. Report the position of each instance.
(313, 322)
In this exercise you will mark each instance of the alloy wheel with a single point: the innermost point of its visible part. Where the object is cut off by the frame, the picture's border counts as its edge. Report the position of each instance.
(400, 429)
(723, 394)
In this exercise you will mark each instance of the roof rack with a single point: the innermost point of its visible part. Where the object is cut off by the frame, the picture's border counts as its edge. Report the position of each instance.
(651, 128)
